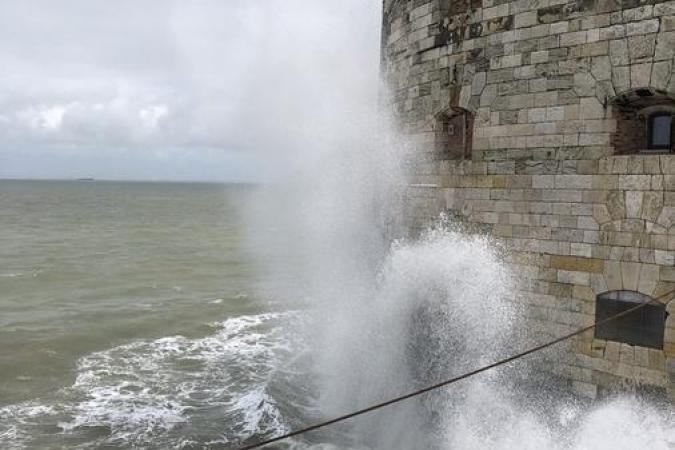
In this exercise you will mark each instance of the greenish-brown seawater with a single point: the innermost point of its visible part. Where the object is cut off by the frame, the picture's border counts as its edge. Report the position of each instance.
(115, 299)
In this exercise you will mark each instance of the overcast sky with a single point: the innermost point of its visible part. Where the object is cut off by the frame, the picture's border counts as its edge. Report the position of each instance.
(184, 90)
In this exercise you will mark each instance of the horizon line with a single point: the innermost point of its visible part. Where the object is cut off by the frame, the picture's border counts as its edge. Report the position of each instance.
(132, 180)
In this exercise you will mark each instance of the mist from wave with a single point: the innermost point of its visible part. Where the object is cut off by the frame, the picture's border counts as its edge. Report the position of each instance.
(394, 313)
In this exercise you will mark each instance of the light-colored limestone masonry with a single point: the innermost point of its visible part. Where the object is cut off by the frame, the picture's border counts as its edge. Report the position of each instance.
(535, 121)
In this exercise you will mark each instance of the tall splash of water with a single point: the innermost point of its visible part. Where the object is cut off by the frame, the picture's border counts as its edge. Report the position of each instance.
(429, 309)
(391, 315)
(436, 310)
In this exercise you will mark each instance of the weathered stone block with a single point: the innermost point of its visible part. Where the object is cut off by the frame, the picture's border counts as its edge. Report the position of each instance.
(667, 217)
(621, 78)
(573, 181)
(633, 204)
(667, 274)
(641, 47)
(496, 11)
(539, 57)
(657, 360)
(652, 205)
(612, 32)
(642, 27)
(665, 47)
(668, 23)
(526, 19)
(580, 249)
(591, 108)
(630, 273)
(666, 8)
(601, 214)
(649, 277)
(601, 68)
(616, 205)
(661, 74)
(635, 182)
(663, 257)
(640, 75)
(612, 351)
(618, 52)
(489, 95)
(478, 83)
(626, 354)
(613, 277)
(584, 84)
(574, 263)
(573, 38)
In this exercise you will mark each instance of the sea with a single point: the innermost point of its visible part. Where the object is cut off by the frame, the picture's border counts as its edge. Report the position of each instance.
(137, 315)
(128, 318)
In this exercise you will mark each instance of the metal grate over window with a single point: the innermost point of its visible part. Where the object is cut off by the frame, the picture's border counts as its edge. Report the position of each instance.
(644, 327)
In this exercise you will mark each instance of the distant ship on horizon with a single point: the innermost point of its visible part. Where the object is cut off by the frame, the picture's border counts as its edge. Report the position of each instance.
(85, 179)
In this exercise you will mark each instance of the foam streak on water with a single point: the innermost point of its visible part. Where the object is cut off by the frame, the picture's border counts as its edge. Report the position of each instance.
(141, 394)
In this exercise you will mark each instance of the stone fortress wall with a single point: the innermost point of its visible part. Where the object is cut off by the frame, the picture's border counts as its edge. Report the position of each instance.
(534, 121)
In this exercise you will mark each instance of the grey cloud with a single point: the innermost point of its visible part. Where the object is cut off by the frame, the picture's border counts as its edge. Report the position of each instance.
(257, 76)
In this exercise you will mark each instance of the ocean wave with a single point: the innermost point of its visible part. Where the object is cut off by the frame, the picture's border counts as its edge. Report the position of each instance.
(16, 421)
(156, 393)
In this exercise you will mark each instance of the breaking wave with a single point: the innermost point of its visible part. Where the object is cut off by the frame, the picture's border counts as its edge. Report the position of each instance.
(149, 394)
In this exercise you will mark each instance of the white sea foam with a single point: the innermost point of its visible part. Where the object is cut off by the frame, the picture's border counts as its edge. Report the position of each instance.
(10, 275)
(143, 389)
(491, 419)
(15, 421)
(141, 392)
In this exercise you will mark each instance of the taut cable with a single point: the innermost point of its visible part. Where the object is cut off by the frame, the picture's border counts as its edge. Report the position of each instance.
(457, 378)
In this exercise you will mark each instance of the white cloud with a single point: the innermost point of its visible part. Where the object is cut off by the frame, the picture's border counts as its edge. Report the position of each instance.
(41, 118)
(151, 115)
(257, 76)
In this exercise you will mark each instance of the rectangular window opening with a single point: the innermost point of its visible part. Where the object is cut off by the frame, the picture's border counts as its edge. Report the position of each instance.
(660, 131)
(644, 327)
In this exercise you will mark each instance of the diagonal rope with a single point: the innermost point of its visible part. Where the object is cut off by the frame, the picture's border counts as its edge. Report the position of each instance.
(457, 378)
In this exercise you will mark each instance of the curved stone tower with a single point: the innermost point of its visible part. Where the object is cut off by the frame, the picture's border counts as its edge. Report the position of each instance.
(549, 123)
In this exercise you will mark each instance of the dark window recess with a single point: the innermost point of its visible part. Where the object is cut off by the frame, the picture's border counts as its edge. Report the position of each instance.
(454, 134)
(643, 327)
(660, 131)
(644, 121)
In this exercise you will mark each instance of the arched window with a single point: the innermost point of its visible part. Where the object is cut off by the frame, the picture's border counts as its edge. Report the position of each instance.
(644, 121)
(644, 327)
(454, 133)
